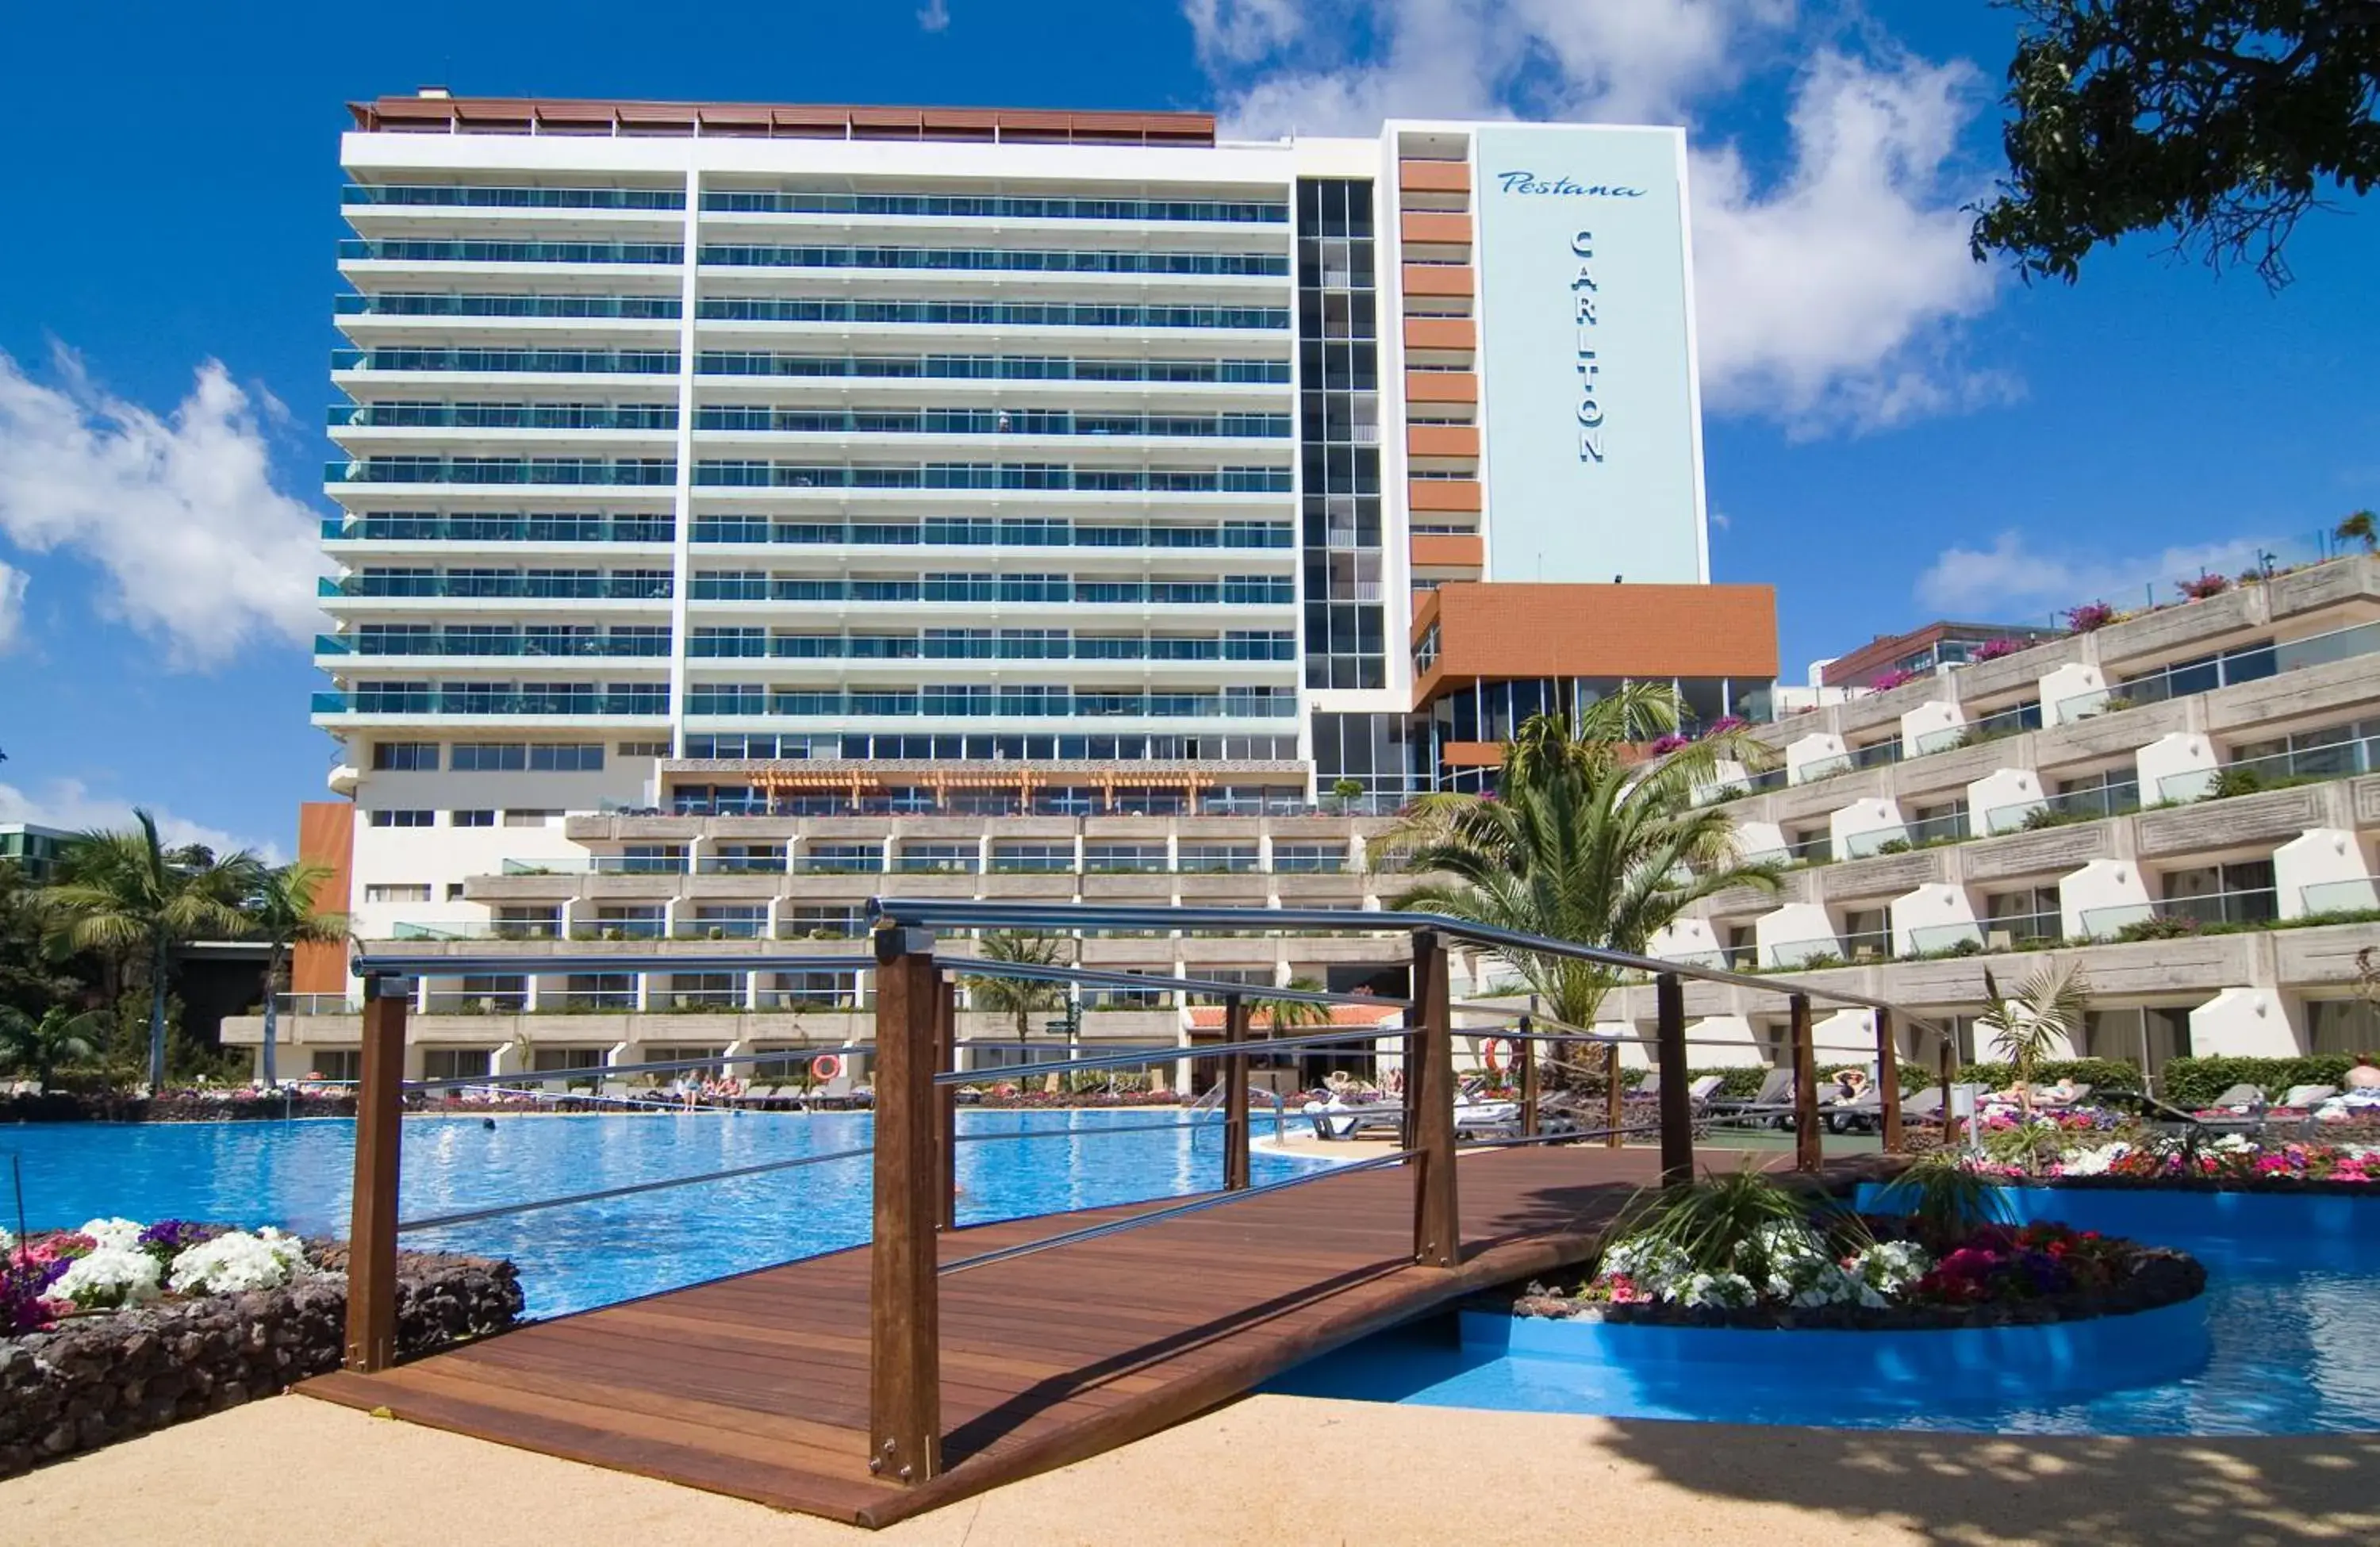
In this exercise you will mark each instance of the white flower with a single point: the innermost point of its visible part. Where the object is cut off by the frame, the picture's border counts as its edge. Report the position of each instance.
(108, 1278)
(238, 1260)
(121, 1234)
(1886, 1269)
(2094, 1163)
(1731, 1291)
(2235, 1144)
(1653, 1266)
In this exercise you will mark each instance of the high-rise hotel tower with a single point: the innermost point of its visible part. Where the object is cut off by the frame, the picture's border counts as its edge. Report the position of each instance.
(865, 463)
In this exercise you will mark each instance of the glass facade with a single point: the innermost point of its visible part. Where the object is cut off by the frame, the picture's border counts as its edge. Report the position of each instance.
(1339, 434)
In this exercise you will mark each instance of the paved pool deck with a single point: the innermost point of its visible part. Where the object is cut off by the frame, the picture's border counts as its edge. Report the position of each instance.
(1269, 1470)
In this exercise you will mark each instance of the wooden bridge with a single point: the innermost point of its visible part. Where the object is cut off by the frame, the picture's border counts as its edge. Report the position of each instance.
(936, 1362)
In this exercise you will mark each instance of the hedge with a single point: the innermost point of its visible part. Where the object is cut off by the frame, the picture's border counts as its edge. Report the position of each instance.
(2196, 1082)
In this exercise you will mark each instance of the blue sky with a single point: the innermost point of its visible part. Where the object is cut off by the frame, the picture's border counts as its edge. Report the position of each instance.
(1892, 434)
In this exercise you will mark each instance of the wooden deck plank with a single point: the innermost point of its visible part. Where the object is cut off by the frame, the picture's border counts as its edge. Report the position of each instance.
(757, 1385)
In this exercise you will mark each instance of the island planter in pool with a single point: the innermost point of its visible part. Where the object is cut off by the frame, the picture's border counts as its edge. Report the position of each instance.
(1676, 1368)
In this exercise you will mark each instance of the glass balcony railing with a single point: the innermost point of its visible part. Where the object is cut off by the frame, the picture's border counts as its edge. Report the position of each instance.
(531, 646)
(636, 927)
(1002, 314)
(1137, 212)
(991, 421)
(721, 929)
(1231, 590)
(315, 1005)
(1795, 953)
(500, 929)
(543, 362)
(2360, 894)
(1928, 939)
(576, 585)
(658, 308)
(503, 416)
(770, 863)
(1867, 945)
(1051, 703)
(654, 705)
(978, 260)
(985, 367)
(2249, 905)
(754, 646)
(2332, 760)
(422, 527)
(1822, 768)
(1044, 477)
(1877, 754)
(627, 471)
(1026, 532)
(470, 196)
(433, 251)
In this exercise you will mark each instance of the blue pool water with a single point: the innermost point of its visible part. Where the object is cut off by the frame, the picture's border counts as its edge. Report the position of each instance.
(297, 1175)
(2292, 1313)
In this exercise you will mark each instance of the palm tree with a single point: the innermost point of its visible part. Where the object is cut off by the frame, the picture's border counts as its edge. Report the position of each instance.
(1020, 999)
(2026, 1025)
(38, 1047)
(124, 892)
(1584, 841)
(1277, 1016)
(281, 912)
(2361, 528)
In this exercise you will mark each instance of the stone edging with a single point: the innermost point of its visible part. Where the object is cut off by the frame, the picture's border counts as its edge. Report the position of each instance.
(94, 1381)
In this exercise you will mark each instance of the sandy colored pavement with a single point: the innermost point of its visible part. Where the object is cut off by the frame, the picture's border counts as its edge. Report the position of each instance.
(1271, 1469)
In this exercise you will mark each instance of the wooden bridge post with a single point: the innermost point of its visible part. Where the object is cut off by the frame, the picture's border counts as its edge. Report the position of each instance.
(1808, 1137)
(1430, 1105)
(905, 1396)
(1235, 1097)
(371, 1225)
(1524, 1052)
(1669, 1060)
(1615, 1098)
(946, 1107)
(1887, 1081)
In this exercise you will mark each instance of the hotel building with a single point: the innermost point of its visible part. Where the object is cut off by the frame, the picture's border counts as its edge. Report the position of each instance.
(746, 509)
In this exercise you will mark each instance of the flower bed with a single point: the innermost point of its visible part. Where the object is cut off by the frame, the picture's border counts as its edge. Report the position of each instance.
(2231, 1163)
(117, 1329)
(1744, 1253)
(175, 1106)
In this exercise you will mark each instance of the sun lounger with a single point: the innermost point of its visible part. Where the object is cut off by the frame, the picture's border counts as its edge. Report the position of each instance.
(1773, 1100)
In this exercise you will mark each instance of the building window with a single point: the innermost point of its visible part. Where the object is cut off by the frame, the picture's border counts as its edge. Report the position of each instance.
(409, 757)
(531, 819)
(404, 819)
(489, 757)
(471, 819)
(454, 891)
(644, 748)
(398, 892)
(565, 759)
(454, 1062)
(343, 1064)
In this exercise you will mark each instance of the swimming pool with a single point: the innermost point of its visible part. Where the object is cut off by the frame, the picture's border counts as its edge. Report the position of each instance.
(2292, 1316)
(297, 1175)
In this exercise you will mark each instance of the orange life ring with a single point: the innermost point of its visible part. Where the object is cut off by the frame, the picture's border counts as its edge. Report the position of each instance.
(1487, 1046)
(826, 1065)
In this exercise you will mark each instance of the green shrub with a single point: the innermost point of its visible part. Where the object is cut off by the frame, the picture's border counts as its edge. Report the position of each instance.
(2236, 781)
(2158, 927)
(2194, 1083)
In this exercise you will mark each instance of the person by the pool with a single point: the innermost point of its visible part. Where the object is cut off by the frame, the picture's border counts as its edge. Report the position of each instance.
(1850, 1085)
(2364, 1076)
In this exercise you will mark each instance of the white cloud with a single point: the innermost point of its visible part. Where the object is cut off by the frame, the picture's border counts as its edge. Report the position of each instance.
(71, 805)
(13, 582)
(202, 551)
(1831, 294)
(935, 16)
(2012, 578)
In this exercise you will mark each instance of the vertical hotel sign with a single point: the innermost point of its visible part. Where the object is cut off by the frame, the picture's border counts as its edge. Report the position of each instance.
(1594, 453)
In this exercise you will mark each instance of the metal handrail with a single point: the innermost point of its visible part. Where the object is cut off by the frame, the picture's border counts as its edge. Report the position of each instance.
(1197, 1205)
(959, 913)
(1135, 1057)
(499, 1210)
